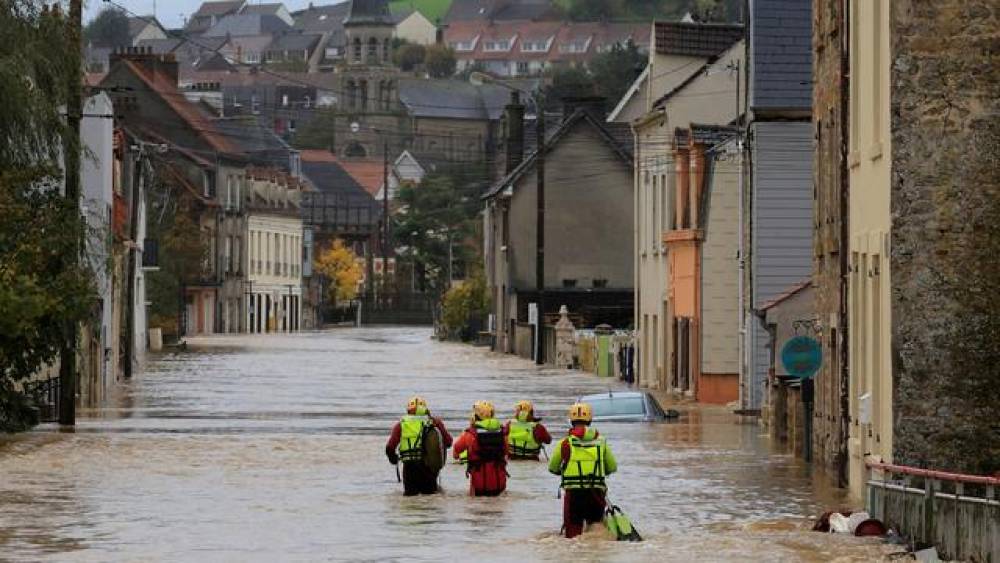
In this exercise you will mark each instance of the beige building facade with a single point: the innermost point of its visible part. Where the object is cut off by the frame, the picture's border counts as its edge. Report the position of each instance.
(705, 96)
(869, 322)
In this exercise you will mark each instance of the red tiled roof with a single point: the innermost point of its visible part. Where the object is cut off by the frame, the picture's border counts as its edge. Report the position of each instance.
(165, 87)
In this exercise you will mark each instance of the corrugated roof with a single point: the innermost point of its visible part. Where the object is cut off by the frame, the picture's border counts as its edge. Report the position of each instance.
(695, 39)
(781, 55)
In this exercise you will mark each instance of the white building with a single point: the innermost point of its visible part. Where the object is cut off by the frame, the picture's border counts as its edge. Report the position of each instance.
(274, 236)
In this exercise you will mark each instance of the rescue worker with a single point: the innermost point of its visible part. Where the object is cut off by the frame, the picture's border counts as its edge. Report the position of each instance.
(484, 445)
(583, 460)
(406, 444)
(525, 433)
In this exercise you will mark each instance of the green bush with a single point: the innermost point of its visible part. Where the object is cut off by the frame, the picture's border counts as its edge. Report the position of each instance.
(463, 303)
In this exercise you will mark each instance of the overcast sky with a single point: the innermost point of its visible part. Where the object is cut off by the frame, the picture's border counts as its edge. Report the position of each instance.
(171, 13)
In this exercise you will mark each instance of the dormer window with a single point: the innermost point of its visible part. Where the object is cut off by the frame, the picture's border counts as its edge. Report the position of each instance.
(497, 45)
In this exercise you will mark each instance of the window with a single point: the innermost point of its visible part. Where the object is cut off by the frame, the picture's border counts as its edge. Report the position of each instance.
(667, 208)
(386, 49)
(228, 257)
(237, 255)
(522, 68)
(357, 49)
(229, 191)
(536, 46)
(372, 50)
(306, 102)
(284, 100)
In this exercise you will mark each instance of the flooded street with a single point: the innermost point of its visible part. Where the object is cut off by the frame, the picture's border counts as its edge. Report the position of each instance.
(272, 449)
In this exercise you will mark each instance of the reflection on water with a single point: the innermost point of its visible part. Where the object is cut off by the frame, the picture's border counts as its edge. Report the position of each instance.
(271, 448)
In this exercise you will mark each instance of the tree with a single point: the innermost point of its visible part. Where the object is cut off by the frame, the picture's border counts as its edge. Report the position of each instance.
(614, 71)
(568, 82)
(436, 220)
(465, 303)
(408, 55)
(440, 61)
(41, 291)
(183, 252)
(340, 266)
(108, 29)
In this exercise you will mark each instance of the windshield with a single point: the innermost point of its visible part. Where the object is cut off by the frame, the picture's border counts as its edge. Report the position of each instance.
(617, 406)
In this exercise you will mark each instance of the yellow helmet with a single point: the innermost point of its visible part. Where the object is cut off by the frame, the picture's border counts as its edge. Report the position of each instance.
(482, 410)
(523, 407)
(580, 412)
(417, 405)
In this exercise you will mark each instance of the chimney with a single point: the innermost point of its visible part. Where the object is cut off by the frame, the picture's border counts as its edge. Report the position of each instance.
(594, 105)
(514, 121)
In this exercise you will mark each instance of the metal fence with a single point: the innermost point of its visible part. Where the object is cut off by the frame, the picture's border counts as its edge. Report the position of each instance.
(45, 394)
(959, 514)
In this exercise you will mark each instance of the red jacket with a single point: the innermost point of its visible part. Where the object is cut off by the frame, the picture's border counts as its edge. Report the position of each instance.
(397, 431)
(484, 477)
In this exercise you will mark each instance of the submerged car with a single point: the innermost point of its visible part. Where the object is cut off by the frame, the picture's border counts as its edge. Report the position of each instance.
(627, 406)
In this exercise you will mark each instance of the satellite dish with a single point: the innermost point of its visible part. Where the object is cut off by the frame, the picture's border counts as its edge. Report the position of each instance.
(355, 127)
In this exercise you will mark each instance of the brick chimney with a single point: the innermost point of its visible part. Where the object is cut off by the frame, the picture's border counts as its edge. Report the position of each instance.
(151, 63)
(514, 122)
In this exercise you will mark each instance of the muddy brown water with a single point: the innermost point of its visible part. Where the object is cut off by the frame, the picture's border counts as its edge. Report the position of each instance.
(270, 448)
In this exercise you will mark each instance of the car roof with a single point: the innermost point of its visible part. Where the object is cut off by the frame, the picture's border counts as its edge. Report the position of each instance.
(613, 395)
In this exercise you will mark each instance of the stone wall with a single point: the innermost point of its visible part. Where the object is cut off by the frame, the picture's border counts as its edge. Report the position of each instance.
(945, 235)
(829, 435)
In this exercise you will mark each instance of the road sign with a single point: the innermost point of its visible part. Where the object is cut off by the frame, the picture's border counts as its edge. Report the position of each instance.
(802, 356)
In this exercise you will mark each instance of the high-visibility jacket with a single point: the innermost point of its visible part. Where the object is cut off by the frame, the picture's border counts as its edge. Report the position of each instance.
(521, 439)
(411, 442)
(585, 468)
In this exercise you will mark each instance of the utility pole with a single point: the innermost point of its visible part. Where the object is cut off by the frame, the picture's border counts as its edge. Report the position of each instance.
(74, 111)
(540, 228)
(385, 216)
(133, 228)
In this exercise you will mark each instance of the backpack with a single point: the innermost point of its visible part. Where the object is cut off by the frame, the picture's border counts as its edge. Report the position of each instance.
(491, 445)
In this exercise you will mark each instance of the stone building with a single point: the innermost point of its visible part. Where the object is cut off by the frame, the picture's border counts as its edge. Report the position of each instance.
(830, 265)
(940, 102)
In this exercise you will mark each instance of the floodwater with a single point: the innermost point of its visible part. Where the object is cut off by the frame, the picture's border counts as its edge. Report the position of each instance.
(271, 448)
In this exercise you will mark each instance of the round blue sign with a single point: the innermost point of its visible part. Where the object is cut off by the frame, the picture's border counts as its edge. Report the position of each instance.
(802, 357)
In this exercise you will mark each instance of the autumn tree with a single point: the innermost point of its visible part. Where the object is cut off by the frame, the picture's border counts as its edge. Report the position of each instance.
(340, 266)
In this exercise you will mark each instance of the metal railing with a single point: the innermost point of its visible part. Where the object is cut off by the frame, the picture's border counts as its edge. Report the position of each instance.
(45, 394)
(959, 514)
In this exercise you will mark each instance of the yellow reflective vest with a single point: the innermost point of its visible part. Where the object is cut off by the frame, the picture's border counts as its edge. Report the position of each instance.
(411, 438)
(585, 467)
(521, 439)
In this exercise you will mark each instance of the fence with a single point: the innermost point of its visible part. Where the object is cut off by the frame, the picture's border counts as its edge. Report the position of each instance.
(45, 394)
(959, 514)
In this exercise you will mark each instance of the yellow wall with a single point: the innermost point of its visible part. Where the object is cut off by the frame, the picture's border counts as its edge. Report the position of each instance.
(869, 298)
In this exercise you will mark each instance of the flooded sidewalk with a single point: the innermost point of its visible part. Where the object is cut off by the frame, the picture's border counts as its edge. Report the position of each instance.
(271, 448)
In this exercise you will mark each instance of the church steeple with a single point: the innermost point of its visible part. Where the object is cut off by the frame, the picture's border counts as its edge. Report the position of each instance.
(369, 27)
(368, 12)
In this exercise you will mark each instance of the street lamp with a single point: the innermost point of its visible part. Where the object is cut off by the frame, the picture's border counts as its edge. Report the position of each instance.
(479, 78)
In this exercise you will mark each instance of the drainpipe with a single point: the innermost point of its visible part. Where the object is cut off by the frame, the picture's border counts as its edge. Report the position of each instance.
(844, 427)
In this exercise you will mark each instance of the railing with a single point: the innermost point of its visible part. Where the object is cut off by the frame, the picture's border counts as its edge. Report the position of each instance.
(959, 514)
(45, 394)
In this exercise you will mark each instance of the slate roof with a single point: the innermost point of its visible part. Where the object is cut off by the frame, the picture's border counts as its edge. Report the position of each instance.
(321, 19)
(368, 12)
(781, 55)
(238, 25)
(787, 294)
(294, 42)
(218, 8)
(695, 39)
(455, 99)
(331, 176)
(271, 9)
(138, 23)
(618, 137)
